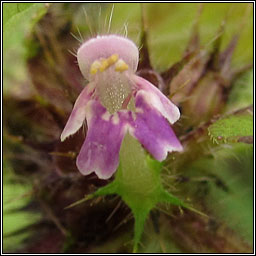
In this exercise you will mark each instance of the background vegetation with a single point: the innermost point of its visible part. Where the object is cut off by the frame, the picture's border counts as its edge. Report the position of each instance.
(203, 54)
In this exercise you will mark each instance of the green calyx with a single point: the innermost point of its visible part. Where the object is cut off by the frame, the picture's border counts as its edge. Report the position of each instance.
(138, 182)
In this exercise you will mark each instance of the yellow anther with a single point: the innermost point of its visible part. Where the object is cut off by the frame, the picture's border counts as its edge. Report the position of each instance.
(104, 65)
(113, 59)
(95, 67)
(121, 66)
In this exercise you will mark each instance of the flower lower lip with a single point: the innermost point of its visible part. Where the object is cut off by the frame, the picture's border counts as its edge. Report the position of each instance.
(147, 121)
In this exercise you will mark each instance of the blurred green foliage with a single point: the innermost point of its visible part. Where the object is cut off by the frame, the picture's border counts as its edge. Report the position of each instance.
(233, 126)
(18, 21)
(229, 197)
(16, 195)
(242, 93)
(170, 28)
(10, 10)
(235, 208)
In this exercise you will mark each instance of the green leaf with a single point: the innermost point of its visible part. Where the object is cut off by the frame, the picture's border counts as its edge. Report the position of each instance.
(231, 128)
(235, 207)
(242, 92)
(18, 21)
(15, 196)
(170, 27)
(224, 182)
(11, 9)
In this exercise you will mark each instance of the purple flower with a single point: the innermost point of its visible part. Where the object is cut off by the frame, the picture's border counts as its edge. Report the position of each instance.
(117, 101)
